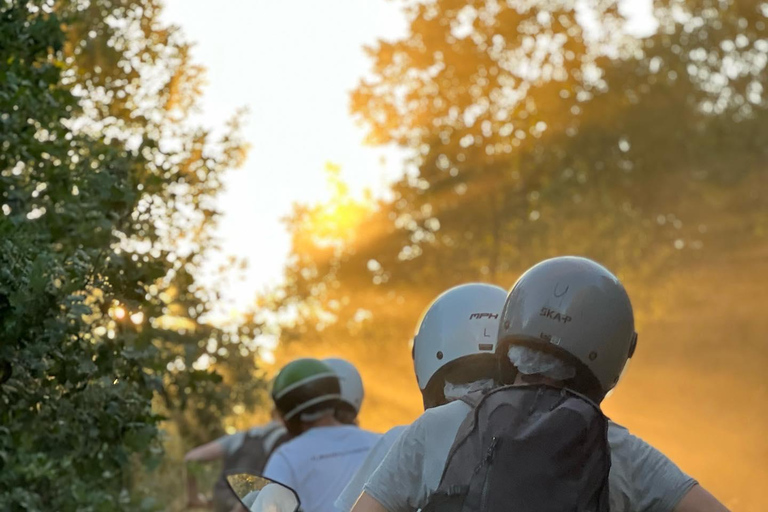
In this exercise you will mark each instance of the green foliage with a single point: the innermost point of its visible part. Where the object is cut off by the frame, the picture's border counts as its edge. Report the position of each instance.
(107, 197)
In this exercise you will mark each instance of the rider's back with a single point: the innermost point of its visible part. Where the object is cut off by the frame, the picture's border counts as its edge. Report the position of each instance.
(641, 478)
(527, 448)
(320, 462)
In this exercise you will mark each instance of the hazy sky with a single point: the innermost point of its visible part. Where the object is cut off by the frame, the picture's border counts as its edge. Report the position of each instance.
(292, 64)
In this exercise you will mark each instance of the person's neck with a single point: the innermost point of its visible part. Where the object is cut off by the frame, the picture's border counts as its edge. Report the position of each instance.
(326, 421)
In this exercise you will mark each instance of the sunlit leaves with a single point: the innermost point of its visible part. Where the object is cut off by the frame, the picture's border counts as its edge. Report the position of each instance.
(503, 102)
(472, 62)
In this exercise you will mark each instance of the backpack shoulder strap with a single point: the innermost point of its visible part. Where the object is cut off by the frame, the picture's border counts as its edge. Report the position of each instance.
(473, 400)
(274, 438)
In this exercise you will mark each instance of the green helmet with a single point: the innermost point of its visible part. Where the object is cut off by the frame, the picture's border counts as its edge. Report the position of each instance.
(303, 386)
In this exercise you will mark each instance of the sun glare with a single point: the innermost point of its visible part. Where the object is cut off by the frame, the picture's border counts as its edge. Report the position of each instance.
(335, 221)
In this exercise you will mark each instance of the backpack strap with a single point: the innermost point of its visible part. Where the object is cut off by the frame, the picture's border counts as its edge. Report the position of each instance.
(274, 438)
(473, 400)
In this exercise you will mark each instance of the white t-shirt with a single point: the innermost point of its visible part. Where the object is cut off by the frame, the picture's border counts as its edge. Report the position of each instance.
(352, 491)
(319, 463)
(642, 479)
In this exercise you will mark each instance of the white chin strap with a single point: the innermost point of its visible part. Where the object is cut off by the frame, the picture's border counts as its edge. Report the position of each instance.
(456, 391)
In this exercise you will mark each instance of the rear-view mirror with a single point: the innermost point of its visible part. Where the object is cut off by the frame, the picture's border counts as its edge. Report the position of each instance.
(259, 494)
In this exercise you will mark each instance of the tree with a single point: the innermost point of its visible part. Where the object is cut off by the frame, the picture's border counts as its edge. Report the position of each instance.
(567, 135)
(107, 211)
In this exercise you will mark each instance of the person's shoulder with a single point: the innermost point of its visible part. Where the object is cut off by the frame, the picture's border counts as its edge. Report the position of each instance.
(359, 433)
(630, 450)
(387, 439)
(435, 419)
(264, 430)
(451, 410)
(390, 435)
(292, 446)
(617, 428)
(619, 435)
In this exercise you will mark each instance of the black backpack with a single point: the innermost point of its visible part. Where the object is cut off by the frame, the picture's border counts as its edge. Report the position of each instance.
(532, 448)
(251, 457)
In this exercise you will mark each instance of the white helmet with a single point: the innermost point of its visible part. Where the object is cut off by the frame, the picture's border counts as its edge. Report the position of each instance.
(351, 383)
(462, 322)
(577, 310)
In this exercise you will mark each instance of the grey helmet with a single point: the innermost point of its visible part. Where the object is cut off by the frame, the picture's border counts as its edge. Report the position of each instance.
(456, 339)
(576, 309)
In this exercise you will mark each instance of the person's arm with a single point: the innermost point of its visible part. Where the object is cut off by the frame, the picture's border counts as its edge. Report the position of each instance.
(367, 503)
(643, 479)
(397, 484)
(698, 499)
(206, 453)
